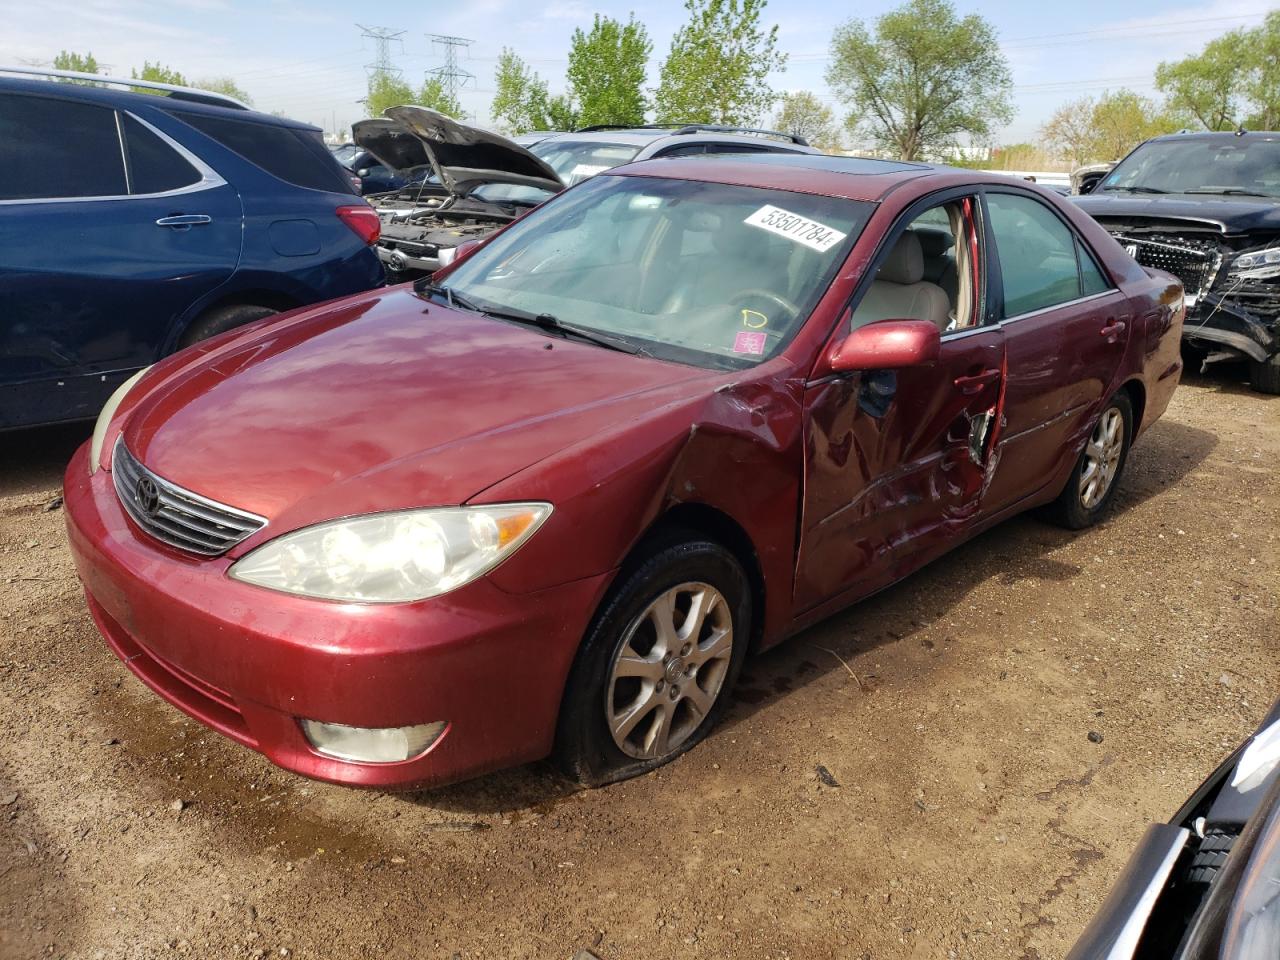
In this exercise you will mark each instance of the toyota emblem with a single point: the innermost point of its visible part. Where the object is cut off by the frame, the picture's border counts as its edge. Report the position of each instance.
(148, 495)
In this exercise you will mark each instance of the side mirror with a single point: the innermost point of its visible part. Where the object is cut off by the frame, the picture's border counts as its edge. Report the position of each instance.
(887, 345)
(362, 172)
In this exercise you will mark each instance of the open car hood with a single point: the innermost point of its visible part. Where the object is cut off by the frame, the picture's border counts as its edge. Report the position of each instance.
(462, 156)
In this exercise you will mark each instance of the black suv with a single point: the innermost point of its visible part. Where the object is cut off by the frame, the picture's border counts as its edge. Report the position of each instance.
(1206, 208)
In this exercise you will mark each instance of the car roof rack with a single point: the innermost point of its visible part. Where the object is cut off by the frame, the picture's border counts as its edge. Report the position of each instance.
(173, 90)
(596, 127)
(719, 128)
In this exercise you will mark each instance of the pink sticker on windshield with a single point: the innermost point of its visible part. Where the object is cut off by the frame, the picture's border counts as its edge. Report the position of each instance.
(748, 342)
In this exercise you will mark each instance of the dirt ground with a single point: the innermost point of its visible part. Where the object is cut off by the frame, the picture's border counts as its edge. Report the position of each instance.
(952, 804)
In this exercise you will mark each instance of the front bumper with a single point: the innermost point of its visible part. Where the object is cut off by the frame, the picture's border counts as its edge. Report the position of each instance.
(397, 260)
(250, 662)
(1220, 321)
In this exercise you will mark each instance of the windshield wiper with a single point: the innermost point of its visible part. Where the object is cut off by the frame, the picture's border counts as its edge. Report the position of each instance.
(447, 294)
(1234, 192)
(1137, 189)
(545, 321)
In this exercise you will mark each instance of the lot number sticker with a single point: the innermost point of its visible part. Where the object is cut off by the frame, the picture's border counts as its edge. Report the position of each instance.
(814, 235)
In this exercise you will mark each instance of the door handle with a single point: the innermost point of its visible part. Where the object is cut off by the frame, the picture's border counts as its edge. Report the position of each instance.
(182, 221)
(975, 382)
(1112, 330)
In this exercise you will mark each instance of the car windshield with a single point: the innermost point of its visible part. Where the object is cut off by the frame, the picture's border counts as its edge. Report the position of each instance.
(704, 273)
(1196, 165)
(572, 160)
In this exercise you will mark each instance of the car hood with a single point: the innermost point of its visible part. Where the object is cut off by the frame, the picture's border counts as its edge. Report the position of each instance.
(462, 156)
(1228, 214)
(382, 402)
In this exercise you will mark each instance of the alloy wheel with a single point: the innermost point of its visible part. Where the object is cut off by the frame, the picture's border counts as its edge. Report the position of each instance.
(669, 670)
(1102, 458)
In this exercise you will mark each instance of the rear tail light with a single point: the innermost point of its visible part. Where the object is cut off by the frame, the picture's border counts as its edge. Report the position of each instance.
(363, 221)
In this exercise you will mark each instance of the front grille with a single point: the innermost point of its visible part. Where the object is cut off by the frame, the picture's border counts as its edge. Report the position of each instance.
(176, 516)
(1192, 260)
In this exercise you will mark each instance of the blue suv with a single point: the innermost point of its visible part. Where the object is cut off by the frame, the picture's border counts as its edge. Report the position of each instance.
(134, 224)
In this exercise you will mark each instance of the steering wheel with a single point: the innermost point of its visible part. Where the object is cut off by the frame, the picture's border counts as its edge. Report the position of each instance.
(776, 299)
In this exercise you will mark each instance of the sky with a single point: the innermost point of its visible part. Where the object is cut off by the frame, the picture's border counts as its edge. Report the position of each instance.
(308, 59)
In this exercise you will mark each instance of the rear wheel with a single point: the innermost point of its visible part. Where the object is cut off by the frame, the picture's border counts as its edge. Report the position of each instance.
(221, 319)
(1097, 472)
(1264, 375)
(654, 674)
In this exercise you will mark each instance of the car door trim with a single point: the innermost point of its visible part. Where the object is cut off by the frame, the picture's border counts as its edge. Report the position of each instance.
(1058, 306)
(209, 178)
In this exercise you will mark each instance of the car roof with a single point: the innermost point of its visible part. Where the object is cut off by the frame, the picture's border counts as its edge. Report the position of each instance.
(125, 99)
(643, 136)
(1223, 135)
(851, 178)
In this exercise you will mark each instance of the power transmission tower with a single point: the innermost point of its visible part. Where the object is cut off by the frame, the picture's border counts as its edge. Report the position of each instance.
(451, 75)
(382, 38)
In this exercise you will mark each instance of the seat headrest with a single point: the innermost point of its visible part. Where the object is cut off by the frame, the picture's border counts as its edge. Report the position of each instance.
(905, 263)
(934, 241)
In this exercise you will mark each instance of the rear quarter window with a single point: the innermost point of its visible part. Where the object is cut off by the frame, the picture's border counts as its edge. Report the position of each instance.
(154, 166)
(295, 156)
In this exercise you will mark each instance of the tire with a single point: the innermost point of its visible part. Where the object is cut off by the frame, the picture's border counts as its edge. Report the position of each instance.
(1264, 375)
(222, 319)
(1077, 506)
(640, 706)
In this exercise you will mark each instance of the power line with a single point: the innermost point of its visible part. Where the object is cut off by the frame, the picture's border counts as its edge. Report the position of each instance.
(451, 76)
(382, 37)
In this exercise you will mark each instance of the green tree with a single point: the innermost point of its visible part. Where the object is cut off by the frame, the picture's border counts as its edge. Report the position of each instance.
(1207, 85)
(434, 95)
(719, 65)
(70, 60)
(1262, 80)
(226, 86)
(803, 114)
(157, 73)
(607, 71)
(926, 78)
(1123, 119)
(385, 91)
(521, 101)
(1069, 132)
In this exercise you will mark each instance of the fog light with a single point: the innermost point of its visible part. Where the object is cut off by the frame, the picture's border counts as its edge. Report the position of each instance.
(372, 744)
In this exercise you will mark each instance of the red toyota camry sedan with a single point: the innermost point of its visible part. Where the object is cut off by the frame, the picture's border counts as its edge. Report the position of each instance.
(547, 502)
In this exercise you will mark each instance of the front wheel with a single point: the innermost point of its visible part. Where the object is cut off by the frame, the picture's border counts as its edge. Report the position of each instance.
(1264, 375)
(1097, 472)
(654, 674)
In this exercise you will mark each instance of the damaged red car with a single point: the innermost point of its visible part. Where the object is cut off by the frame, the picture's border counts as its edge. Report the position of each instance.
(546, 501)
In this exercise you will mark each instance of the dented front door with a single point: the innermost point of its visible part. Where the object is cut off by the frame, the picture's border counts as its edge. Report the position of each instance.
(895, 464)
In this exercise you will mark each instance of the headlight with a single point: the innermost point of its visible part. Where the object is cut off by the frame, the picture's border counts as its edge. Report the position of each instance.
(392, 557)
(1266, 260)
(104, 419)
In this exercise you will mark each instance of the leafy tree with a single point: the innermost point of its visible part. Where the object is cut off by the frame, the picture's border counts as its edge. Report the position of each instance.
(1122, 120)
(522, 102)
(226, 86)
(1207, 85)
(1069, 132)
(803, 114)
(520, 96)
(385, 91)
(157, 73)
(70, 60)
(924, 79)
(607, 71)
(434, 95)
(1262, 80)
(719, 65)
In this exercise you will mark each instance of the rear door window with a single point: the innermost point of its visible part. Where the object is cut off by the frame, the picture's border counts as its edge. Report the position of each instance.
(154, 166)
(294, 156)
(51, 148)
(1038, 263)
